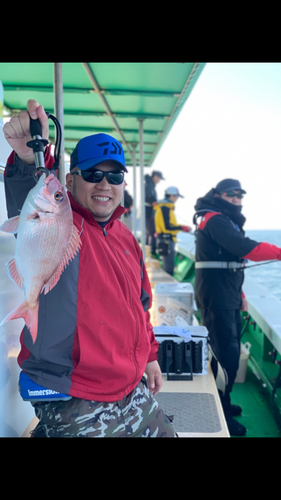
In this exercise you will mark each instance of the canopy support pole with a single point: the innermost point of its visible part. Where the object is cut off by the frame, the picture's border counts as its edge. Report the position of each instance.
(142, 197)
(58, 106)
(96, 86)
(134, 225)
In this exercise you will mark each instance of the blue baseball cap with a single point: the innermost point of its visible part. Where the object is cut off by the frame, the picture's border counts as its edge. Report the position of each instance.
(94, 149)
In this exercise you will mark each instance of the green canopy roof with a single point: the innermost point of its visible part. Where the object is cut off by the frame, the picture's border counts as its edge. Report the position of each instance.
(106, 97)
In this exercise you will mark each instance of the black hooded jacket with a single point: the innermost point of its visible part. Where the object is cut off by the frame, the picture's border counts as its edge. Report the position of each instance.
(150, 196)
(220, 237)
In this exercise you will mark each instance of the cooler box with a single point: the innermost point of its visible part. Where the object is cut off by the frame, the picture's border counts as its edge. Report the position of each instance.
(182, 351)
(172, 300)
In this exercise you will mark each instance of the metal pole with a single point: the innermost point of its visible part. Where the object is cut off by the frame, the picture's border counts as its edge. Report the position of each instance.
(122, 205)
(58, 106)
(134, 225)
(142, 197)
(97, 88)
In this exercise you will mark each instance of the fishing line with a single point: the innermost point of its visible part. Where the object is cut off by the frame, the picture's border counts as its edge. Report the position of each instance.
(58, 140)
(261, 264)
(38, 144)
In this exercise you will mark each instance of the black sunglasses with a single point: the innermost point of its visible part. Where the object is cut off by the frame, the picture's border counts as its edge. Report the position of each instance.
(97, 176)
(231, 194)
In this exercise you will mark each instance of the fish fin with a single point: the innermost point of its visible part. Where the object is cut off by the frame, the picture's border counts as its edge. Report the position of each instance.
(30, 317)
(72, 249)
(14, 274)
(11, 225)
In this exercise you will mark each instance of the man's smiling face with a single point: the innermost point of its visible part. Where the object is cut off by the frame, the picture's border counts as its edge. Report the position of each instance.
(100, 198)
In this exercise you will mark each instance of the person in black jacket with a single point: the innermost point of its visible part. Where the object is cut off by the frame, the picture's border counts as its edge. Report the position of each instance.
(128, 205)
(222, 250)
(150, 200)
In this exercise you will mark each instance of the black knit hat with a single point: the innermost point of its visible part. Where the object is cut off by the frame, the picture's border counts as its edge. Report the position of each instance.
(229, 185)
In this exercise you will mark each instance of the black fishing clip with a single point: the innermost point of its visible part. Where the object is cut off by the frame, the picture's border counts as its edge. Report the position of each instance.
(38, 144)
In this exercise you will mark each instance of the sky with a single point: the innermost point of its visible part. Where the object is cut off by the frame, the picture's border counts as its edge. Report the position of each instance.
(229, 127)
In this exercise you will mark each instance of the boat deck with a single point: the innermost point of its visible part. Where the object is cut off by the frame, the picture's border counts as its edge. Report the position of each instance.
(195, 406)
(257, 414)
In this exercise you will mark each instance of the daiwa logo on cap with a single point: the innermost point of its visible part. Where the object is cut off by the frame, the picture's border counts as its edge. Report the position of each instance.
(92, 150)
(115, 145)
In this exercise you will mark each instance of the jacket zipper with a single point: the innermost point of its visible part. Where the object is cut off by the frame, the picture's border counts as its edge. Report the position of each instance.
(131, 304)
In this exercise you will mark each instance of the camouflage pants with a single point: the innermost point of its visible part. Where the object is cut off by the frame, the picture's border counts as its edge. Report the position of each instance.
(136, 415)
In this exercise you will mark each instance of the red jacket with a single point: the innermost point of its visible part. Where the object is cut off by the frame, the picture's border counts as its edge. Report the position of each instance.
(94, 335)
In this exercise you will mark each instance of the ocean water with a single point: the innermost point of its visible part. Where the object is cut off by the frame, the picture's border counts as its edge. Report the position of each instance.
(267, 275)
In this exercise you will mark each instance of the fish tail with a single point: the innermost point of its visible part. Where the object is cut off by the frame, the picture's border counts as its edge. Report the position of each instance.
(29, 315)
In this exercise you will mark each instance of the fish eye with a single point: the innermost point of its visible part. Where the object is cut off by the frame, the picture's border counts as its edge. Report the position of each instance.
(58, 196)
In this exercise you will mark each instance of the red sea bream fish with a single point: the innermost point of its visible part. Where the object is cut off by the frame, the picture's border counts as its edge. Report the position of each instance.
(46, 241)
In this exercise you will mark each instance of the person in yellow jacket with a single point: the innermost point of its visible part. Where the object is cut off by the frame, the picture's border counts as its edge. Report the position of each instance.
(166, 228)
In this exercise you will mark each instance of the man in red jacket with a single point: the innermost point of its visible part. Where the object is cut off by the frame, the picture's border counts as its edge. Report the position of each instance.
(95, 340)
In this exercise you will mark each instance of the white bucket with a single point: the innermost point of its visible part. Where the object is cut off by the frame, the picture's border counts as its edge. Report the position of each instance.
(243, 363)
